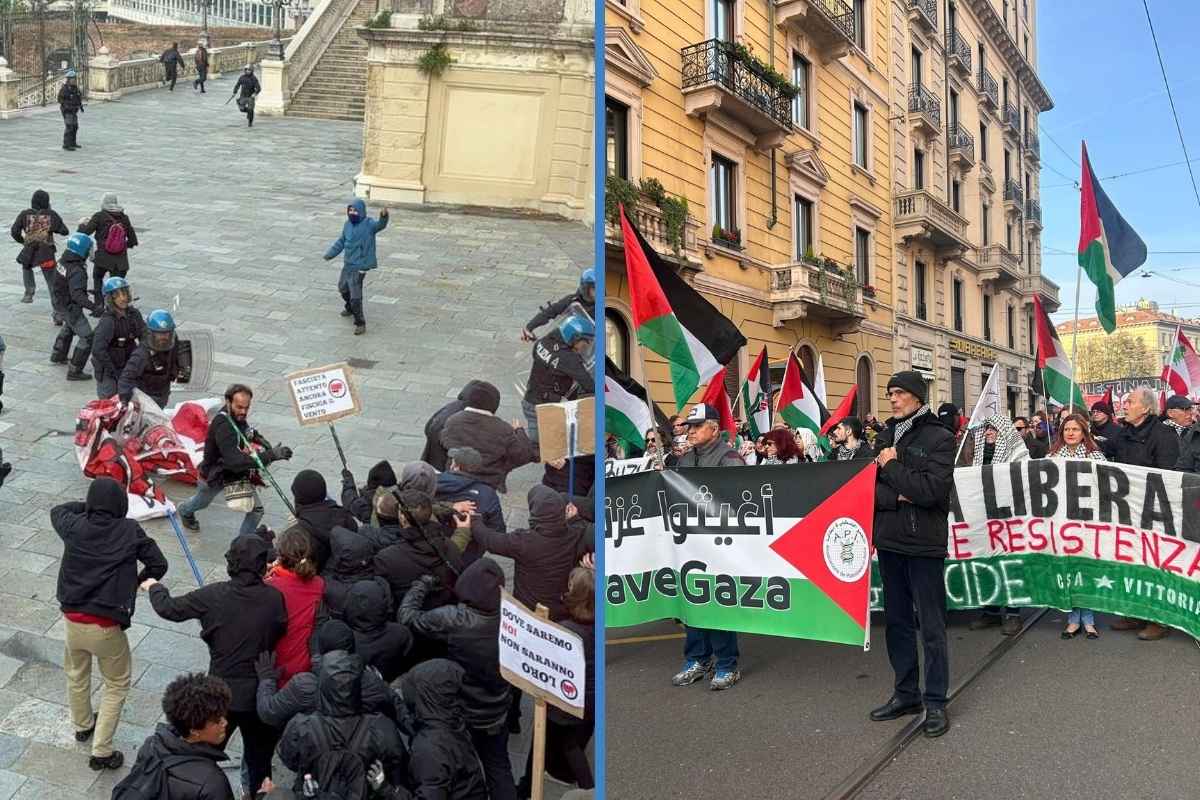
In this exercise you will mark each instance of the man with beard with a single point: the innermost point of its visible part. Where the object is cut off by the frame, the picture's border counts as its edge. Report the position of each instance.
(157, 361)
(847, 435)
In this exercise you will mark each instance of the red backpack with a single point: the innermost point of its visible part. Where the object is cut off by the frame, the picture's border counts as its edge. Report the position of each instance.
(115, 240)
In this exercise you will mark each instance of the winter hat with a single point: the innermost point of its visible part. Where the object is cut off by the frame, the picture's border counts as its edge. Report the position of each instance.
(247, 554)
(387, 507)
(109, 203)
(947, 414)
(911, 382)
(479, 585)
(335, 635)
(40, 200)
(1103, 408)
(381, 474)
(107, 495)
(547, 508)
(308, 487)
(483, 396)
(418, 476)
(466, 458)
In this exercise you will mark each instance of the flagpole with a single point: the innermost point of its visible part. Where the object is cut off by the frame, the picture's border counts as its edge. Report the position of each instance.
(1074, 343)
(660, 457)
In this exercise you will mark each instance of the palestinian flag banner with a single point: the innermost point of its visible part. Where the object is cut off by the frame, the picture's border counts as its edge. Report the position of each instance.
(715, 396)
(755, 396)
(1182, 372)
(673, 320)
(626, 410)
(782, 550)
(842, 411)
(1109, 249)
(798, 403)
(1054, 532)
(1057, 374)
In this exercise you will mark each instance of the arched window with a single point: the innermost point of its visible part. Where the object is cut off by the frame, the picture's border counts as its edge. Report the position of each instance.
(616, 339)
(808, 360)
(863, 401)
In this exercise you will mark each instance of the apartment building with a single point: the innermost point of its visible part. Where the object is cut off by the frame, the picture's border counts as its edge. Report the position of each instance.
(965, 172)
(1143, 320)
(770, 118)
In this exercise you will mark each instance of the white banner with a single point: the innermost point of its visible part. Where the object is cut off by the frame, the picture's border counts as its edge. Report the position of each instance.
(541, 658)
(324, 394)
(627, 466)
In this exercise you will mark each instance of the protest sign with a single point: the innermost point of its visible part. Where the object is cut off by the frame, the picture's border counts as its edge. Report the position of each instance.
(324, 394)
(541, 658)
(627, 466)
(782, 550)
(554, 420)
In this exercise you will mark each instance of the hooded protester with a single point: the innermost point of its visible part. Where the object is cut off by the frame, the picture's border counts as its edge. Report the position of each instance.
(317, 513)
(357, 244)
(97, 590)
(585, 296)
(380, 642)
(69, 290)
(338, 744)
(34, 229)
(361, 502)
(503, 447)
(276, 706)
(117, 335)
(443, 763)
(239, 618)
(295, 576)
(470, 629)
(543, 555)
(421, 547)
(349, 563)
(115, 236)
(560, 368)
(246, 89)
(70, 103)
(434, 453)
(187, 747)
(171, 61)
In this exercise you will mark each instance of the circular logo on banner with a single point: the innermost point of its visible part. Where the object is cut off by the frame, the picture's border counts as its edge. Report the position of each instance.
(845, 548)
(337, 388)
(569, 690)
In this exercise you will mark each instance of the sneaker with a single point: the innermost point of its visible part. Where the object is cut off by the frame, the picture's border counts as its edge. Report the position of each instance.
(113, 761)
(78, 375)
(359, 330)
(347, 312)
(83, 736)
(190, 522)
(1011, 625)
(28, 298)
(724, 679)
(692, 671)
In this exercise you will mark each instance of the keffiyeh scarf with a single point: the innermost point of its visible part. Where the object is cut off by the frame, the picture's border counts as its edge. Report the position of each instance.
(1078, 451)
(1010, 445)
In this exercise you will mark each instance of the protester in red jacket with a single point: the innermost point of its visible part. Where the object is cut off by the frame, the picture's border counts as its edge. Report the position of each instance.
(295, 576)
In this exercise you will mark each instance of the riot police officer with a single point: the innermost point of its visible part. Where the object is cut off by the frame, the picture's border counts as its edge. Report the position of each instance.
(159, 359)
(559, 367)
(117, 335)
(585, 296)
(69, 290)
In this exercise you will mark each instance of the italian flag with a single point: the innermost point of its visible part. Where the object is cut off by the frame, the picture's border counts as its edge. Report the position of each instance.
(798, 404)
(673, 320)
(1182, 372)
(1108, 248)
(1058, 376)
(756, 396)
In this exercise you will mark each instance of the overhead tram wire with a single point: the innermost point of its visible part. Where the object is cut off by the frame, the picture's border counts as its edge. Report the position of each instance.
(1170, 97)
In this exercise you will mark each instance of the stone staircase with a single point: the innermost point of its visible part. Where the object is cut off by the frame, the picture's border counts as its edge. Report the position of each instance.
(337, 86)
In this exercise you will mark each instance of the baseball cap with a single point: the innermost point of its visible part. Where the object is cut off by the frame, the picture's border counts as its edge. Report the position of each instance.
(702, 412)
(1179, 402)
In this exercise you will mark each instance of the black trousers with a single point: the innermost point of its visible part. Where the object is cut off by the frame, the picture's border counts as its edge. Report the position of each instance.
(172, 76)
(492, 750)
(258, 745)
(566, 756)
(70, 128)
(201, 77)
(914, 594)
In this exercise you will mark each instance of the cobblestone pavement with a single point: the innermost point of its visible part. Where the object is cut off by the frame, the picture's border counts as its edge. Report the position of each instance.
(233, 223)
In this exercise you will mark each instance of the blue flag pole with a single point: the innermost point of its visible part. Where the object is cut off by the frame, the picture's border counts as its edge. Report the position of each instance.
(187, 551)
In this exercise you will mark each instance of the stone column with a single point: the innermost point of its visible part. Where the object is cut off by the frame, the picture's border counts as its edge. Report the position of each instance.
(394, 128)
(102, 76)
(272, 100)
(8, 90)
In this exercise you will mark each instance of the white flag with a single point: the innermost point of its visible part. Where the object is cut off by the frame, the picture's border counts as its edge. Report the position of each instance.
(819, 382)
(989, 404)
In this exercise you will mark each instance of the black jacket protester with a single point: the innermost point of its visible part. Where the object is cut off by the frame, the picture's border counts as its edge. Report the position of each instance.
(301, 696)
(417, 554)
(1151, 444)
(34, 230)
(349, 563)
(380, 642)
(319, 519)
(101, 551)
(224, 462)
(502, 447)
(239, 618)
(434, 453)
(443, 764)
(193, 771)
(923, 472)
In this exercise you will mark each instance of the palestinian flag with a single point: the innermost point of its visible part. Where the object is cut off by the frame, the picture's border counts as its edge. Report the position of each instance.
(843, 410)
(798, 404)
(1057, 375)
(755, 396)
(626, 412)
(1182, 372)
(716, 397)
(1108, 248)
(673, 320)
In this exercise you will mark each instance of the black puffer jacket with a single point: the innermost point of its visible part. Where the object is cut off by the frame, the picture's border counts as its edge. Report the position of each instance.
(471, 630)
(319, 519)
(97, 227)
(502, 447)
(1151, 444)
(1189, 450)
(224, 462)
(239, 618)
(379, 642)
(69, 285)
(101, 550)
(194, 773)
(1109, 432)
(923, 472)
(34, 230)
(116, 337)
(349, 563)
(544, 554)
(443, 765)
(434, 453)
(418, 554)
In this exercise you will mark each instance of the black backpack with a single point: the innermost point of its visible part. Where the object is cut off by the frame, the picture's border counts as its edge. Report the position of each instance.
(147, 780)
(338, 770)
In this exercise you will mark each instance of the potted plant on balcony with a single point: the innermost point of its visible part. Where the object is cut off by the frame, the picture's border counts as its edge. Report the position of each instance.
(868, 290)
(810, 257)
(830, 265)
(730, 237)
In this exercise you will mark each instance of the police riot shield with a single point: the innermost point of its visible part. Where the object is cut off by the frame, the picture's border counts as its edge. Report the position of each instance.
(196, 360)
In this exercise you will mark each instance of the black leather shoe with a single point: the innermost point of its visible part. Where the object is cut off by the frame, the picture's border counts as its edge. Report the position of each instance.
(936, 723)
(107, 762)
(894, 709)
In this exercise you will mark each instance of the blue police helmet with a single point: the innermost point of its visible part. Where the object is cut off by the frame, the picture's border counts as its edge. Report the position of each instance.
(80, 244)
(70, 73)
(588, 278)
(160, 321)
(113, 285)
(576, 327)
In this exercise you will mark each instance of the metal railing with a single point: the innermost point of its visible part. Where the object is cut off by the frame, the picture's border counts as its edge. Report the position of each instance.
(988, 88)
(1013, 192)
(962, 142)
(958, 49)
(923, 101)
(839, 13)
(715, 61)
(1033, 211)
(928, 11)
(1033, 144)
(1011, 117)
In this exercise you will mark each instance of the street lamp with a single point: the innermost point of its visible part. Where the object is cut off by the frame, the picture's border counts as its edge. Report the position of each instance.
(275, 51)
(204, 6)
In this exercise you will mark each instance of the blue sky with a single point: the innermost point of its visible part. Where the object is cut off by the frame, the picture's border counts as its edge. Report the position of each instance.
(1097, 60)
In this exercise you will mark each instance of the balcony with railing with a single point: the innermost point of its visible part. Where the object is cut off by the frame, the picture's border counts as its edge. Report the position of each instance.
(989, 91)
(721, 75)
(924, 12)
(1033, 213)
(679, 244)
(1011, 119)
(828, 23)
(962, 147)
(1041, 287)
(958, 52)
(924, 109)
(921, 216)
(1033, 146)
(999, 266)
(816, 290)
(1014, 197)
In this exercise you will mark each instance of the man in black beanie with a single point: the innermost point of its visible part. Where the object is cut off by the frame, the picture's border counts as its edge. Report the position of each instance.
(501, 446)
(361, 502)
(915, 454)
(434, 454)
(318, 514)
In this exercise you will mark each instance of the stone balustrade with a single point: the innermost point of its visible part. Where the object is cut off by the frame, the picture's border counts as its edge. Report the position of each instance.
(224, 13)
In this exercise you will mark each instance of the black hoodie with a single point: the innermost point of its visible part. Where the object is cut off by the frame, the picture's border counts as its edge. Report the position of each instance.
(239, 618)
(193, 773)
(349, 563)
(544, 555)
(417, 554)
(380, 642)
(317, 514)
(434, 453)
(34, 228)
(443, 764)
(101, 551)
